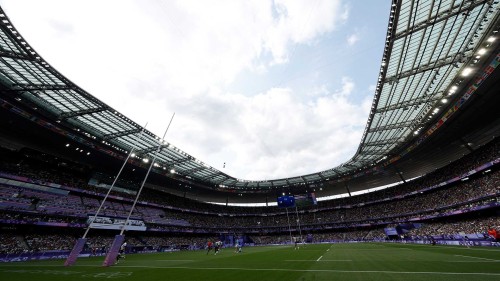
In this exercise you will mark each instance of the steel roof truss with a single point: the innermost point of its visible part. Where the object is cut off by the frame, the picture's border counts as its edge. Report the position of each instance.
(409, 103)
(121, 134)
(31, 87)
(192, 171)
(391, 126)
(66, 115)
(444, 15)
(151, 149)
(452, 59)
(385, 141)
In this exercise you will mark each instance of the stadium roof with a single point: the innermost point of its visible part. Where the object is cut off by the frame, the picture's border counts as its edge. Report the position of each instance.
(431, 46)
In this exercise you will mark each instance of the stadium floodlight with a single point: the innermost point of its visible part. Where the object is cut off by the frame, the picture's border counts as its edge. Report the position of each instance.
(444, 100)
(491, 39)
(145, 160)
(466, 71)
(481, 51)
(67, 145)
(172, 171)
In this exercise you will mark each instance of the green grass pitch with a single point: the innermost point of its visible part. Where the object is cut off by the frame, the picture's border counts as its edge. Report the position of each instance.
(356, 261)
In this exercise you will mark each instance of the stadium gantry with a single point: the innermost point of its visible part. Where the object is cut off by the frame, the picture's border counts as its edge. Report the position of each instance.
(430, 48)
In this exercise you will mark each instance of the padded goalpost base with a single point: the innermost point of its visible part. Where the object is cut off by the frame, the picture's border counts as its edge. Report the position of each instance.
(113, 251)
(77, 249)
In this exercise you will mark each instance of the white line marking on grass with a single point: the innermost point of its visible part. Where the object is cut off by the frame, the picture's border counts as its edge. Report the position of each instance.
(328, 250)
(476, 258)
(453, 247)
(273, 269)
(318, 270)
(175, 260)
(380, 249)
(473, 261)
(319, 258)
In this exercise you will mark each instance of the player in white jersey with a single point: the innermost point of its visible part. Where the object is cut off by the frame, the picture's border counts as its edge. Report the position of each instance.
(121, 253)
(218, 245)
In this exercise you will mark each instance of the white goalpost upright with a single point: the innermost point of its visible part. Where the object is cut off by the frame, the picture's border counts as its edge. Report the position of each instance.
(289, 226)
(80, 243)
(298, 223)
(117, 242)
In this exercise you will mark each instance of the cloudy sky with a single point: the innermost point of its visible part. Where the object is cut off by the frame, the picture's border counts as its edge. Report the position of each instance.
(271, 88)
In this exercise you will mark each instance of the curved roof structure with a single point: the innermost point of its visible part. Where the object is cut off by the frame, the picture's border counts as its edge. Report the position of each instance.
(431, 46)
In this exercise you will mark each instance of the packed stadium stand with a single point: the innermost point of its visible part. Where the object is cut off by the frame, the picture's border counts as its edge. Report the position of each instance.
(458, 198)
(444, 169)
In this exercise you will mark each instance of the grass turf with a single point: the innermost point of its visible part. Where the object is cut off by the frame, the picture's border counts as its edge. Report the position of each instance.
(356, 261)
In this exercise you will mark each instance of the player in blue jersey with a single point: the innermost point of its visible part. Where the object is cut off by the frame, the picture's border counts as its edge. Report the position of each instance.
(237, 247)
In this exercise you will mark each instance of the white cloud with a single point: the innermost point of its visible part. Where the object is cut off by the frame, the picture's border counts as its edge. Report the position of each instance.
(148, 61)
(301, 21)
(273, 135)
(352, 39)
